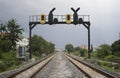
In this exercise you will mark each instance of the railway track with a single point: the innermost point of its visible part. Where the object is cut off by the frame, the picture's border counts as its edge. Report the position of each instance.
(29, 71)
(90, 71)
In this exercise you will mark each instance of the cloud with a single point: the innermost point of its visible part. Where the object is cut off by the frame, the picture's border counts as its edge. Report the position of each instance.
(105, 16)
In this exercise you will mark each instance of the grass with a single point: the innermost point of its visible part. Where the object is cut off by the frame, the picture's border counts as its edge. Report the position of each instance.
(111, 69)
(76, 53)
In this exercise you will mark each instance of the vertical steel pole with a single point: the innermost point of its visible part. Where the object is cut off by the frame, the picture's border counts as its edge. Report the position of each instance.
(89, 42)
(30, 55)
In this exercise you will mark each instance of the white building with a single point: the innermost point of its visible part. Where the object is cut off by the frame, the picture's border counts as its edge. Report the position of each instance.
(23, 42)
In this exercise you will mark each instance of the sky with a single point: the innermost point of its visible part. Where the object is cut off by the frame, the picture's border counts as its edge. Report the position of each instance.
(104, 19)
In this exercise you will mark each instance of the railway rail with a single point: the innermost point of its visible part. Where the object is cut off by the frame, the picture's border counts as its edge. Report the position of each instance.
(29, 71)
(90, 71)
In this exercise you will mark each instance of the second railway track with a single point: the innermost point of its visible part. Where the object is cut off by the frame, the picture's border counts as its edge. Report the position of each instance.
(90, 71)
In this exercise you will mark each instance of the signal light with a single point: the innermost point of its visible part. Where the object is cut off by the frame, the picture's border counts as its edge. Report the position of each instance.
(42, 19)
(68, 18)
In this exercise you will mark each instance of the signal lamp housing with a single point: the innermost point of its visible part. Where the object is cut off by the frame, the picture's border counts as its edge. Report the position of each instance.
(68, 18)
(42, 18)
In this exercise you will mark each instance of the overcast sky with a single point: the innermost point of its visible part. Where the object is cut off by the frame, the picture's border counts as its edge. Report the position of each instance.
(104, 18)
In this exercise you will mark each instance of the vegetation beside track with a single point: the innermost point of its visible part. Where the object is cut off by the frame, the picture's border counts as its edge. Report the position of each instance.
(10, 33)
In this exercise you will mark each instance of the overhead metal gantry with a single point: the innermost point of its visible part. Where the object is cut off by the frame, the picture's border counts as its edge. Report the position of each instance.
(59, 19)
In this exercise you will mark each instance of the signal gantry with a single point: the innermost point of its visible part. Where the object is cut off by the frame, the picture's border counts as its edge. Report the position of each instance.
(60, 19)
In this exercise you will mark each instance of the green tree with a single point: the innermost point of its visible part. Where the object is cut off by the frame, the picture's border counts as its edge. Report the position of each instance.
(3, 31)
(51, 47)
(14, 31)
(116, 48)
(40, 46)
(2, 28)
(36, 46)
(77, 48)
(103, 50)
(5, 45)
(69, 48)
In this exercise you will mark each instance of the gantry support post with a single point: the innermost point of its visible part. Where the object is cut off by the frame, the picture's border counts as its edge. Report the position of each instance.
(87, 26)
(89, 50)
(31, 26)
(30, 32)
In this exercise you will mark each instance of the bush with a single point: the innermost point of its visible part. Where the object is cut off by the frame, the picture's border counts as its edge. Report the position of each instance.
(104, 63)
(103, 51)
(111, 58)
(77, 53)
(2, 66)
(10, 59)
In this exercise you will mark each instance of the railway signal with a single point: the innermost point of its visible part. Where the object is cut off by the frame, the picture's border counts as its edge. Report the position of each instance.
(42, 19)
(75, 15)
(68, 19)
(50, 17)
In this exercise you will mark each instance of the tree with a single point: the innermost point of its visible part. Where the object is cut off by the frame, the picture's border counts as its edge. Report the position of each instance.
(2, 31)
(9, 34)
(40, 46)
(14, 31)
(77, 48)
(5, 45)
(103, 50)
(51, 47)
(36, 45)
(2, 28)
(116, 48)
(69, 48)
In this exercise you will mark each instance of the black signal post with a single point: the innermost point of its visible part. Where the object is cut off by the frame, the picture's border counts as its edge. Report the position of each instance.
(50, 16)
(87, 25)
(75, 15)
(77, 19)
(31, 26)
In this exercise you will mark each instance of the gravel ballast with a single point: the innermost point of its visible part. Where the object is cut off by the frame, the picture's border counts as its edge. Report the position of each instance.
(60, 67)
